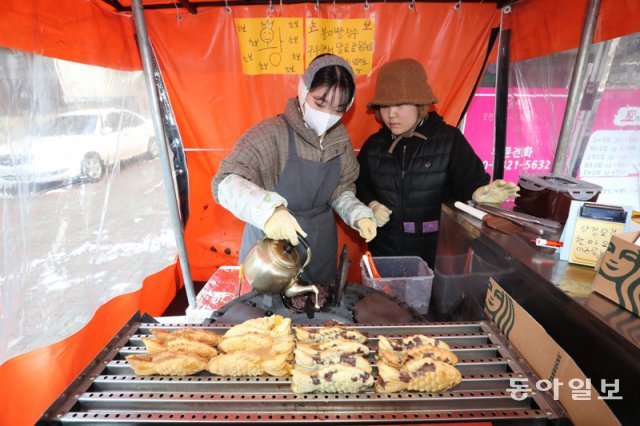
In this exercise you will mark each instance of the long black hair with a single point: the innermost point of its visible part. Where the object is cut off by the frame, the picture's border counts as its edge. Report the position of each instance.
(335, 77)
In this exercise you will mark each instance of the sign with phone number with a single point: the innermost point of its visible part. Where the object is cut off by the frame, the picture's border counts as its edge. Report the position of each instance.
(518, 165)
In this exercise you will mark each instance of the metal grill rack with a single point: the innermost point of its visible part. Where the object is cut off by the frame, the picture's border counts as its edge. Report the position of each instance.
(108, 391)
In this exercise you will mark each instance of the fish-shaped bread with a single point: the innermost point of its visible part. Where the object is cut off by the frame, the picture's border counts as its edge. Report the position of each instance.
(275, 325)
(335, 378)
(154, 346)
(179, 344)
(178, 364)
(402, 345)
(428, 351)
(243, 363)
(199, 335)
(311, 335)
(185, 340)
(192, 346)
(398, 359)
(310, 363)
(161, 336)
(194, 334)
(337, 345)
(167, 363)
(142, 364)
(423, 374)
(251, 341)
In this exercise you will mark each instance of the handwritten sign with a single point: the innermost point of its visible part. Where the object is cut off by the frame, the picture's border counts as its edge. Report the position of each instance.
(350, 38)
(591, 238)
(281, 45)
(271, 45)
(611, 153)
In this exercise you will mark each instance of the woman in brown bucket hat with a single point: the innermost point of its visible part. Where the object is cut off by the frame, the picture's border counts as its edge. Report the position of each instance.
(414, 163)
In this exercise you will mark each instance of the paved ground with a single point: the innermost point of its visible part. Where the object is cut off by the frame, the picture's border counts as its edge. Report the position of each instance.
(65, 250)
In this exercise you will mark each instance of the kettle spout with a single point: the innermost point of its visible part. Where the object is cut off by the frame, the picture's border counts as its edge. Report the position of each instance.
(297, 289)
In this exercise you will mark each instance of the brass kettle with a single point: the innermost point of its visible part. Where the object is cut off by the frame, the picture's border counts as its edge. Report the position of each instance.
(273, 266)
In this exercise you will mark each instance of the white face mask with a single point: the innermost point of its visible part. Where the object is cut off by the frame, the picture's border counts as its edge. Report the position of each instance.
(318, 120)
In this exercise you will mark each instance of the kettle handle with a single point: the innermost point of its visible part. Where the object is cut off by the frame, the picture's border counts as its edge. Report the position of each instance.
(306, 244)
(290, 247)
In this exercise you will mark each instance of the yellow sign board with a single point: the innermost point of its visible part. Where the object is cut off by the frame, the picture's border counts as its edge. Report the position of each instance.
(351, 39)
(271, 45)
(591, 238)
(287, 45)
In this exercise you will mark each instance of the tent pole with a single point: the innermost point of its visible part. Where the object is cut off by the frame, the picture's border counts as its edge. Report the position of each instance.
(167, 178)
(575, 90)
(502, 93)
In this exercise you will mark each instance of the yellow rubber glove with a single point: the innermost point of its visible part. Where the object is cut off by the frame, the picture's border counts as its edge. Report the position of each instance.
(283, 226)
(496, 192)
(380, 212)
(366, 228)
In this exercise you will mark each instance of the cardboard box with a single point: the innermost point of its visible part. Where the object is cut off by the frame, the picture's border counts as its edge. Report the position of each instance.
(549, 361)
(618, 276)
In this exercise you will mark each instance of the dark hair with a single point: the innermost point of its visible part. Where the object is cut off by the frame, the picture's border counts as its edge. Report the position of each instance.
(335, 76)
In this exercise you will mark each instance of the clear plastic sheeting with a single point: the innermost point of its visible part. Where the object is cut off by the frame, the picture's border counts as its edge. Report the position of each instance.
(536, 101)
(607, 138)
(537, 98)
(605, 142)
(604, 147)
(84, 214)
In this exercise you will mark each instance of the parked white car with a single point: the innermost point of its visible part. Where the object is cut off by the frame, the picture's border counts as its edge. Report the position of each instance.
(78, 145)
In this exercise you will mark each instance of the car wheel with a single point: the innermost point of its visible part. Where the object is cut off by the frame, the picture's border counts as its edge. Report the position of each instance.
(93, 167)
(152, 148)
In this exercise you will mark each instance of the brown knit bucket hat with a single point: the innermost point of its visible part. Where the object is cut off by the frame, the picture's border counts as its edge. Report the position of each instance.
(402, 81)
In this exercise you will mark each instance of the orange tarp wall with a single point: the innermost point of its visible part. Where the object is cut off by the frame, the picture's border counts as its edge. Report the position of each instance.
(542, 27)
(30, 383)
(215, 103)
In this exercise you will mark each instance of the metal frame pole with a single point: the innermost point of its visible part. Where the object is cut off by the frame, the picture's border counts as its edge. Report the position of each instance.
(167, 178)
(575, 90)
(502, 93)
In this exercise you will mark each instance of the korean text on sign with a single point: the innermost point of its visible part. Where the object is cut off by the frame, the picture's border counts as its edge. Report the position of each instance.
(351, 39)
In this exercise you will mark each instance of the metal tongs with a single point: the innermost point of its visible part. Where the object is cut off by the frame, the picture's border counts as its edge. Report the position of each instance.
(530, 223)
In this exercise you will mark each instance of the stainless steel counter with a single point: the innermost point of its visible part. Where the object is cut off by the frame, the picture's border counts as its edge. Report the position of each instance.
(601, 337)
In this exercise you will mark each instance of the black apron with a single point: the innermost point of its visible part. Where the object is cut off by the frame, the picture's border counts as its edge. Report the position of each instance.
(307, 186)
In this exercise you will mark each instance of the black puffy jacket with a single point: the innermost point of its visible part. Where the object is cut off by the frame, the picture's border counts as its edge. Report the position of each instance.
(414, 181)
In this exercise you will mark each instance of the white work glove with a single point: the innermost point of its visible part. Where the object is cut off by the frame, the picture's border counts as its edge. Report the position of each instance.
(380, 212)
(283, 226)
(366, 228)
(496, 192)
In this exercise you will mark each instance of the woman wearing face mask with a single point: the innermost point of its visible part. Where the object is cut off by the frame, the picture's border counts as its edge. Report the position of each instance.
(287, 172)
(414, 163)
